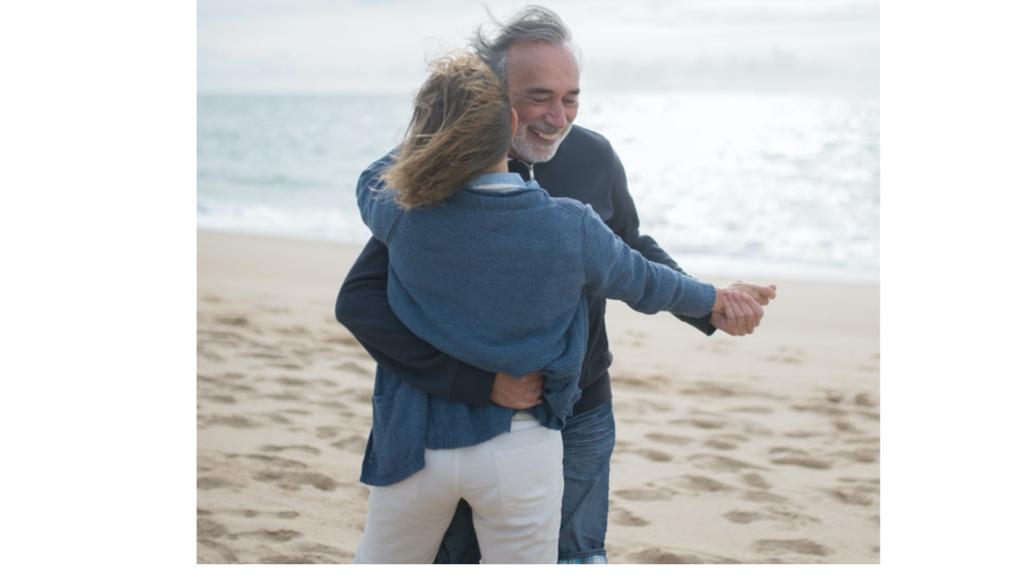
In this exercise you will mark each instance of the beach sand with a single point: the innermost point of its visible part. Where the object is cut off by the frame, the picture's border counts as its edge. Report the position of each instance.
(761, 449)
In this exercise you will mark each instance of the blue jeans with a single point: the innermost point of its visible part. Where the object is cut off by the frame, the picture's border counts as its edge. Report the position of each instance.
(587, 440)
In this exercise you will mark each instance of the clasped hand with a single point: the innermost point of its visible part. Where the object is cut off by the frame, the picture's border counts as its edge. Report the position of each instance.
(741, 307)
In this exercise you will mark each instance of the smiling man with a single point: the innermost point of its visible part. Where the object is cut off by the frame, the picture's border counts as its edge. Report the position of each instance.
(543, 82)
(534, 57)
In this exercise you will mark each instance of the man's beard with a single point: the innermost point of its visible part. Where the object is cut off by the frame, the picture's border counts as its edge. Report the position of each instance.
(532, 151)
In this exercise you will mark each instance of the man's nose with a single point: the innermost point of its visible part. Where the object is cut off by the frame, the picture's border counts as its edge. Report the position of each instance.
(555, 115)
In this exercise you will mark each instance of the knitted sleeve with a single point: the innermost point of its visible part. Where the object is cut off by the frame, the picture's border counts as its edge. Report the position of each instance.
(376, 202)
(616, 271)
(626, 223)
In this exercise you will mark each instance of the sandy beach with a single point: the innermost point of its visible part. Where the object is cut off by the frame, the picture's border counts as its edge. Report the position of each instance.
(762, 449)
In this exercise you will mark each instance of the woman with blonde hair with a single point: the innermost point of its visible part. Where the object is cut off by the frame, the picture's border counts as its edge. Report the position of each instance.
(491, 270)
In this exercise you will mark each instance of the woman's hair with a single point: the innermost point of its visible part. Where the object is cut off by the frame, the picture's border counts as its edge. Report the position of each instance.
(461, 126)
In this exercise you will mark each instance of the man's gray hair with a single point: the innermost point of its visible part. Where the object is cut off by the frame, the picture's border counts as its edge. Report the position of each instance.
(532, 23)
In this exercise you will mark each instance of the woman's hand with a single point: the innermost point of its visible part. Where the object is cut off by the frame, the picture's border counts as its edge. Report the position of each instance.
(738, 307)
(762, 294)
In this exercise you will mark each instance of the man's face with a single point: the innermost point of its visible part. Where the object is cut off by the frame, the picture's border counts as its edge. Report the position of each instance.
(544, 87)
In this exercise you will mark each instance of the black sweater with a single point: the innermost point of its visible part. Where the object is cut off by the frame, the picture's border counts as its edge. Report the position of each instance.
(585, 168)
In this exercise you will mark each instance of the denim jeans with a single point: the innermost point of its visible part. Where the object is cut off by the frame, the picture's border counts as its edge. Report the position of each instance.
(587, 442)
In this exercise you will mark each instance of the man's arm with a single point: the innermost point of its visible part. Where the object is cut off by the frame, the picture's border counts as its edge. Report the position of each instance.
(363, 308)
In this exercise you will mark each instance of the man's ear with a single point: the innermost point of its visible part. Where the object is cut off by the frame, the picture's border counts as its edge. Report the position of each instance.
(515, 121)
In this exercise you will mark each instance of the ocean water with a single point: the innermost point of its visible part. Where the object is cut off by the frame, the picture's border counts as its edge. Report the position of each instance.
(734, 184)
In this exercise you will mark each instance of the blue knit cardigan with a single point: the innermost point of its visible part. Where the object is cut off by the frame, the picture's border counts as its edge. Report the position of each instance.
(495, 276)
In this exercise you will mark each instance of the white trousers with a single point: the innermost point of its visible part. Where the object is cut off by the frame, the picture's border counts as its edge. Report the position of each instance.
(513, 483)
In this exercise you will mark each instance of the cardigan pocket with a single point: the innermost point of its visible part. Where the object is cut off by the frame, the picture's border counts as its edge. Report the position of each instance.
(398, 434)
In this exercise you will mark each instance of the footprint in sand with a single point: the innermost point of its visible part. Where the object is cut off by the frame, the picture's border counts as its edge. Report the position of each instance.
(294, 481)
(753, 410)
(634, 383)
(207, 528)
(232, 421)
(275, 461)
(803, 461)
(722, 463)
(325, 432)
(802, 546)
(668, 438)
(755, 480)
(720, 444)
(265, 355)
(315, 556)
(774, 513)
(794, 457)
(213, 482)
(355, 444)
(297, 448)
(286, 397)
(762, 496)
(654, 455)
(864, 455)
(759, 430)
(220, 399)
(743, 517)
(285, 559)
(209, 356)
(646, 494)
(866, 399)
(213, 549)
(249, 513)
(218, 338)
(292, 331)
(231, 320)
(272, 536)
(655, 556)
(293, 382)
(857, 492)
(846, 426)
(622, 517)
(702, 423)
(224, 384)
(701, 484)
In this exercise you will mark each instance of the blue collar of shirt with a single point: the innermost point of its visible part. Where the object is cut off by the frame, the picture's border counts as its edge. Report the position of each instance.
(500, 182)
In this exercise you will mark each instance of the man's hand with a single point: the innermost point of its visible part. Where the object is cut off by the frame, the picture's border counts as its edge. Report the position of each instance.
(742, 311)
(517, 393)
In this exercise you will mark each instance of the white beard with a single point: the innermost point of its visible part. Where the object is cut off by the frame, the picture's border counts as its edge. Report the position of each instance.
(532, 151)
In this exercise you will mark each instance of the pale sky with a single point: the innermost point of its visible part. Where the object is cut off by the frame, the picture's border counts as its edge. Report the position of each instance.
(377, 46)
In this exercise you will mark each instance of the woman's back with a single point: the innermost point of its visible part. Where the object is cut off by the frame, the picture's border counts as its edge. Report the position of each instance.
(494, 277)
(497, 275)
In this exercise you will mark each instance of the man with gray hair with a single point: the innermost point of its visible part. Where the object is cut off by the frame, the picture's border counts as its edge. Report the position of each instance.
(534, 56)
